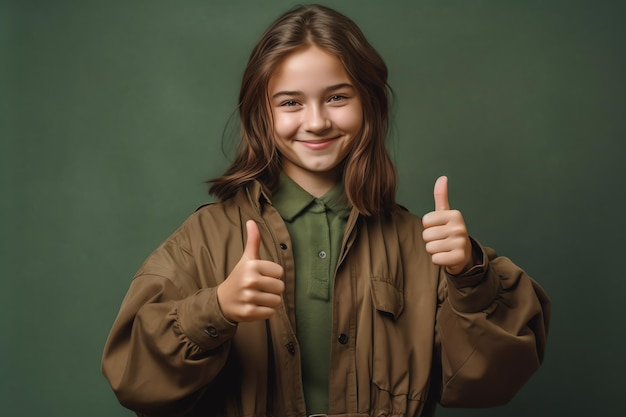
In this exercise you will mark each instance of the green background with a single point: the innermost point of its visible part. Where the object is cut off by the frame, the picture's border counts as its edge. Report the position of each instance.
(111, 118)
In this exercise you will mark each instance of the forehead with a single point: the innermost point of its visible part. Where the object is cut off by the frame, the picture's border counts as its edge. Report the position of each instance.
(308, 69)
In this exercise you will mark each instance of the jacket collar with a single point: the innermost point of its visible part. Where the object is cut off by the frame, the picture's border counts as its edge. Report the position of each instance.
(256, 193)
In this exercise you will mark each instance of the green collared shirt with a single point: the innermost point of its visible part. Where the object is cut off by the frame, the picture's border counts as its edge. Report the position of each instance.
(316, 227)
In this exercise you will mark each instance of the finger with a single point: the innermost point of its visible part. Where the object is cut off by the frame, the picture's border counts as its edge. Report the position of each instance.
(272, 286)
(254, 240)
(441, 194)
(269, 286)
(434, 233)
(269, 269)
(260, 297)
(445, 245)
(267, 299)
(453, 259)
(439, 218)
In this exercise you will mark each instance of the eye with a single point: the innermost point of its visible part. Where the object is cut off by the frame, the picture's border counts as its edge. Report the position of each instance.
(289, 103)
(336, 97)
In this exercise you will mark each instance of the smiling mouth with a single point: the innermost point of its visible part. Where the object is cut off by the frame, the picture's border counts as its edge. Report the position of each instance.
(318, 141)
(318, 144)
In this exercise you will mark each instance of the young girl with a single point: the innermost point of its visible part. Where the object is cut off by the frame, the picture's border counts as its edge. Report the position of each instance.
(306, 289)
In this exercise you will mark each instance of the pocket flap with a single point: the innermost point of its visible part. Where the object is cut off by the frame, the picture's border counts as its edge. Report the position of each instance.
(387, 298)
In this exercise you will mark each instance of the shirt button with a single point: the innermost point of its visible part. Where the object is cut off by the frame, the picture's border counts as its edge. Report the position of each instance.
(343, 338)
(283, 246)
(321, 254)
(212, 331)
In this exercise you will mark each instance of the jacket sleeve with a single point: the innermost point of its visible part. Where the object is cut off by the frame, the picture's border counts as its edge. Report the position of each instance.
(491, 332)
(169, 339)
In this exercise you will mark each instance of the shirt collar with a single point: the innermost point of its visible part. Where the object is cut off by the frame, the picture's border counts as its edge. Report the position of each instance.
(290, 199)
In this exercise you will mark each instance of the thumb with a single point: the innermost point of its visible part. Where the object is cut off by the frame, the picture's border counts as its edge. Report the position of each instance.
(254, 240)
(441, 194)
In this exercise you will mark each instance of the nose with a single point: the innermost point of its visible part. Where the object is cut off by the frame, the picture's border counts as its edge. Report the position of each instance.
(316, 120)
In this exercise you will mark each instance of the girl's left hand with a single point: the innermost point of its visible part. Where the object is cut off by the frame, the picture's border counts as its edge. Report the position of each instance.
(445, 233)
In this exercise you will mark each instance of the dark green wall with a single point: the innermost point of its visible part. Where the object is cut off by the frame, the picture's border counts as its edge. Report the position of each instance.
(111, 118)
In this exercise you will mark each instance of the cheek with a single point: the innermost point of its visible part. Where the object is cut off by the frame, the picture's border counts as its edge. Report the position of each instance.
(350, 119)
(285, 124)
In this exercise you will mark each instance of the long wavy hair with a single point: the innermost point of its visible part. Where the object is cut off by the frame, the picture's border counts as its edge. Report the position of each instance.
(369, 176)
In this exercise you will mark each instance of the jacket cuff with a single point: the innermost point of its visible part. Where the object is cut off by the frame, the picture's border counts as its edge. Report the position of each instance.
(476, 289)
(202, 321)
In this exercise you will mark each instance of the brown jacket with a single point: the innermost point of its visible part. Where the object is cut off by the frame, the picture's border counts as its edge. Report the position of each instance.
(405, 334)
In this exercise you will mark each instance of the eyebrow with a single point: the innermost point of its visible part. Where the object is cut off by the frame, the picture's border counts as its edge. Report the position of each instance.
(326, 90)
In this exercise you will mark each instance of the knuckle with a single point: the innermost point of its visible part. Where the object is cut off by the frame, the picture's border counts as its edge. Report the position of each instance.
(247, 310)
(457, 229)
(250, 280)
(247, 296)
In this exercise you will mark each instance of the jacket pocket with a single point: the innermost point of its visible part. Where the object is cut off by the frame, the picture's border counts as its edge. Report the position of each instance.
(387, 298)
(390, 381)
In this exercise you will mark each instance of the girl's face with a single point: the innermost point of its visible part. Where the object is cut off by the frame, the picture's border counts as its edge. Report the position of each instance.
(317, 113)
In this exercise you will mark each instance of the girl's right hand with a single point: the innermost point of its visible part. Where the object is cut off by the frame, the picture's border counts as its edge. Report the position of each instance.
(253, 289)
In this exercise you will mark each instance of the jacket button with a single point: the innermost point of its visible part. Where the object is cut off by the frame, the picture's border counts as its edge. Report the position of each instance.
(343, 338)
(291, 348)
(212, 331)
(283, 246)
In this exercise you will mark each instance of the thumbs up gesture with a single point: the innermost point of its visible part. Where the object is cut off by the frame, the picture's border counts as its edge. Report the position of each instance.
(253, 289)
(445, 233)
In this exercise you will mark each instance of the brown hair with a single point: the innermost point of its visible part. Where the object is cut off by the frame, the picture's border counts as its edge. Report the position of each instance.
(369, 175)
